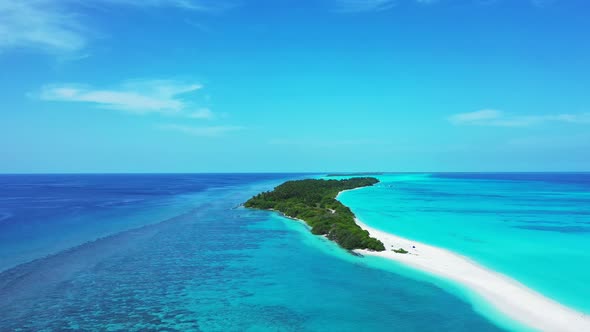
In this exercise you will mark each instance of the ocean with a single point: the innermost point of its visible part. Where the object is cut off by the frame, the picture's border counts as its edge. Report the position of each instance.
(533, 227)
(177, 252)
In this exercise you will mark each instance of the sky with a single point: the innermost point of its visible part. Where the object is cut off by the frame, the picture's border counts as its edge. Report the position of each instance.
(294, 85)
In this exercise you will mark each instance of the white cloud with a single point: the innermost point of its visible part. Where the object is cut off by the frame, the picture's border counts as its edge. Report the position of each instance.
(39, 23)
(198, 5)
(166, 97)
(206, 131)
(53, 25)
(352, 6)
(202, 113)
(322, 143)
(381, 5)
(490, 117)
(477, 116)
(147, 96)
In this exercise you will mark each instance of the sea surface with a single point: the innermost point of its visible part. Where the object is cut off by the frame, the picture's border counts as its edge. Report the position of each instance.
(533, 227)
(177, 252)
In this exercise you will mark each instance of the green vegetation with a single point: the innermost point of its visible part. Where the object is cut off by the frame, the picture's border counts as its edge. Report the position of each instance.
(400, 251)
(314, 201)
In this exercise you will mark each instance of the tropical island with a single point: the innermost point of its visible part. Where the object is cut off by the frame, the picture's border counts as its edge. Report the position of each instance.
(314, 202)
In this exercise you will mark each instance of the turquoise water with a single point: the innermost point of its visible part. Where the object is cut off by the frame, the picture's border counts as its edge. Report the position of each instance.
(534, 228)
(211, 267)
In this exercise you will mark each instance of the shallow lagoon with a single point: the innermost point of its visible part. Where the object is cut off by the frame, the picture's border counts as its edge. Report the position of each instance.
(533, 227)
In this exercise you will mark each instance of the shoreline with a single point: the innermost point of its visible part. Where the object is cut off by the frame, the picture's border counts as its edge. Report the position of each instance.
(508, 296)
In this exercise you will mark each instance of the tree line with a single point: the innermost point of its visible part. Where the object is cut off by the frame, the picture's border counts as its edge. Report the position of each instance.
(314, 201)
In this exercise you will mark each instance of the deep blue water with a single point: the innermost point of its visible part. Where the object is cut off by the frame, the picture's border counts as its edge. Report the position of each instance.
(42, 214)
(175, 252)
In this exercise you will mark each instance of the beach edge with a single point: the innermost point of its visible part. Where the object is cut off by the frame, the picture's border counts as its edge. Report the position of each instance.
(510, 297)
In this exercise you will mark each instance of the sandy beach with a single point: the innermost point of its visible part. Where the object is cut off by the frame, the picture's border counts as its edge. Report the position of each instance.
(508, 296)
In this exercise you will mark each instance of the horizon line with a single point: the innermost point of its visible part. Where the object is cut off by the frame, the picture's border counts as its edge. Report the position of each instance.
(292, 172)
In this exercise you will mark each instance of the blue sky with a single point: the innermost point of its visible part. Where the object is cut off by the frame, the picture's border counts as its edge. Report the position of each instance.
(294, 85)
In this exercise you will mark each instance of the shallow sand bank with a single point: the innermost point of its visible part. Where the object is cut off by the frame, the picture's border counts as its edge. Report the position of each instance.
(509, 296)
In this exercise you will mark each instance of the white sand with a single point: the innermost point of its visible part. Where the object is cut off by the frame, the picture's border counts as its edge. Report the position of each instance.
(508, 296)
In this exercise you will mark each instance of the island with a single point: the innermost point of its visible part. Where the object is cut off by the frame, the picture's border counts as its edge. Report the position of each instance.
(314, 202)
